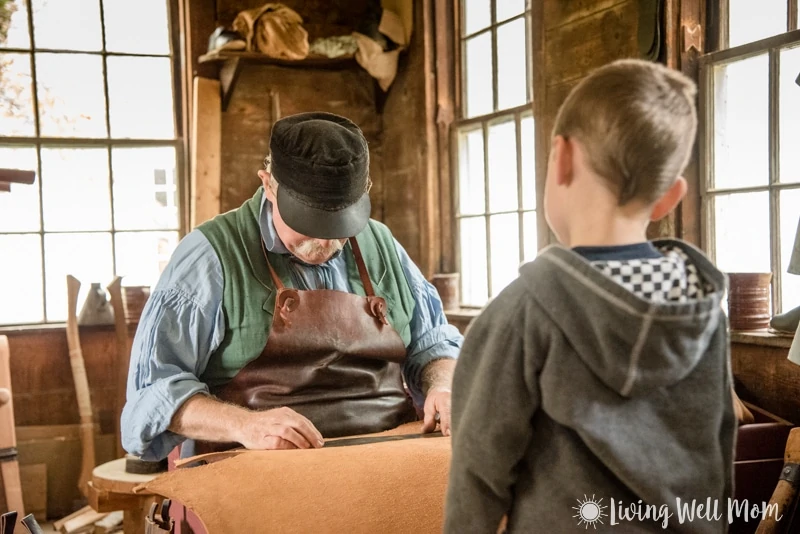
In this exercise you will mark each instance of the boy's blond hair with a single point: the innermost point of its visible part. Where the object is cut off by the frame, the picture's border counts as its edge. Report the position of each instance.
(637, 122)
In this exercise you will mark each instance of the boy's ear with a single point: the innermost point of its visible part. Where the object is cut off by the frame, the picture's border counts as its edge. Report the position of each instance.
(670, 199)
(562, 159)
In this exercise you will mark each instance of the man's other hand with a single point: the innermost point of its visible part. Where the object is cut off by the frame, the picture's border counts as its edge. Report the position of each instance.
(280, 428)
(437, 402)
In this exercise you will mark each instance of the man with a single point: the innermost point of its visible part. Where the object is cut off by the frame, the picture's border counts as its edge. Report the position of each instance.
(274, 327)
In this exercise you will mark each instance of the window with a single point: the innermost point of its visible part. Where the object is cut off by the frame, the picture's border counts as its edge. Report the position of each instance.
(87, 100)
(495, 186)
(750, 103)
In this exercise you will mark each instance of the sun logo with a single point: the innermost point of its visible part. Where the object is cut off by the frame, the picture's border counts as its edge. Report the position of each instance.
(590, 511)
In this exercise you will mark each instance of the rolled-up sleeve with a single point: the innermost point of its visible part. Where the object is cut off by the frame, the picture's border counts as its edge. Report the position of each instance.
(432, 337)
(181, 326)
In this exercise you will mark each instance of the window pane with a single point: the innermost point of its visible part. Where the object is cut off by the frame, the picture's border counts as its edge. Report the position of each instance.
(503, 166)
(140, 95)
(741, 134)
(742, 243)
(478, 74)
(512, 80)
(16, 96)
(751, 21)
(67, 24)
(142, 256)
(528, 163)
(92, 264)
(75, 189)
(124, 22)
(508, 8)
(19, 212)
(16, 35)
(471, 186)
(790, 111)
(790, 225)
(145, 189)
(530, 233)
(21, 279)
(71, 96)
(505, 250)
(477, 15)
(474, 283)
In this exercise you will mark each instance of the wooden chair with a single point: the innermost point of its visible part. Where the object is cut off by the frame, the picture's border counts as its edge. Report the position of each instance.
(9, 467)
(783, 512)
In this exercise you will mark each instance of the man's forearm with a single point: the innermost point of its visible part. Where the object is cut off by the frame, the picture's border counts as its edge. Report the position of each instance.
(438, 374)
(207, 418)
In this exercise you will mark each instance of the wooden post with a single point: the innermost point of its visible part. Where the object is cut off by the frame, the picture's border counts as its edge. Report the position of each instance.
(206, 150)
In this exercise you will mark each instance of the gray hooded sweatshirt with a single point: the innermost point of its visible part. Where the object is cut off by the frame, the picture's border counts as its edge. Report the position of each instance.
(572, 394)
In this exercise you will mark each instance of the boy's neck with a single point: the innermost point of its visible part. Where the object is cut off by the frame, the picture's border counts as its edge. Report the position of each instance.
(607, 225)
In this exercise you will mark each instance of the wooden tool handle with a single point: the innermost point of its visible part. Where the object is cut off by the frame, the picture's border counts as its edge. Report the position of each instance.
(81, 385)
(123, 357)
(7, 433)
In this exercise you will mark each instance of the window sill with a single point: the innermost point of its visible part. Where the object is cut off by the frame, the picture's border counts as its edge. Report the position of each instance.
(33, 329)
(765, 338)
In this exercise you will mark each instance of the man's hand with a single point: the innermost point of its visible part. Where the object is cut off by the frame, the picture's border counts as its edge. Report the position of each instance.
(279, 428)
(207, 418)
(437, 403)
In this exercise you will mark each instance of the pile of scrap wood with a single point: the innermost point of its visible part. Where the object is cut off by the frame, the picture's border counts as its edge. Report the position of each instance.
(87, 521)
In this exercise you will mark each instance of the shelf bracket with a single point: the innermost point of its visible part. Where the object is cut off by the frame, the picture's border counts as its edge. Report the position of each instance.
(228, 76)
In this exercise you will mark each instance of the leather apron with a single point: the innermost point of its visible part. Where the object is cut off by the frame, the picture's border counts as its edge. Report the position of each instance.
(331, 356)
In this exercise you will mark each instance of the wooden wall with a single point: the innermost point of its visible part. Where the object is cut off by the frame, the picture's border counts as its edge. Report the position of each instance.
(247, 123)
(765, 377)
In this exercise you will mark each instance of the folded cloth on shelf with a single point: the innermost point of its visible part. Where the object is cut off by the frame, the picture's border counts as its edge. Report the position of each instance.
(274, 30)
(388, 487)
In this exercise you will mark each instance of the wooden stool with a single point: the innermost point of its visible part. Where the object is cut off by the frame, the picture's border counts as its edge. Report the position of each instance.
(9, 467)
(111, 488)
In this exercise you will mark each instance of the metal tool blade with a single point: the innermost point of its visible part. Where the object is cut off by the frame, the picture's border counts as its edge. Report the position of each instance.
(378, 439)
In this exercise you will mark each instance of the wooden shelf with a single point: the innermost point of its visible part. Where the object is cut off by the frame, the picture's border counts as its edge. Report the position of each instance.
(231, 63)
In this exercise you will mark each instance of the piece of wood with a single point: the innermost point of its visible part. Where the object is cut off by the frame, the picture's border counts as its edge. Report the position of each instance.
(123, 357)
(81, 384)
(82, 521)
(9, 469)
(59, 524)
(112, 477)
(34, 489)
(109, 501)
(110, 523)
(206, 151)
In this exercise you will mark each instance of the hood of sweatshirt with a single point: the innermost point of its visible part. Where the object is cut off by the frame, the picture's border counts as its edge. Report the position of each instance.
(629, 343)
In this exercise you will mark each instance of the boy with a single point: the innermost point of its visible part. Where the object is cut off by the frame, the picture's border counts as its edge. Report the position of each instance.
(600, 379)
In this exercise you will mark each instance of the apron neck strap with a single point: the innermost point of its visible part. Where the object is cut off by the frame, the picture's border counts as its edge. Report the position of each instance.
(275, 278)
(362, 268)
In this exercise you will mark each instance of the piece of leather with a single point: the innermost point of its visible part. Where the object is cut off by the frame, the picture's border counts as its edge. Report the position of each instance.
(332, 357)
(394, 487)
(7, 522)
(274, 30)
(30, 523)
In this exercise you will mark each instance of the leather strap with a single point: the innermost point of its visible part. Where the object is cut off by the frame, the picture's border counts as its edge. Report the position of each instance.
(791, 474)
(362, 269)
(7, 522)
(30, 523)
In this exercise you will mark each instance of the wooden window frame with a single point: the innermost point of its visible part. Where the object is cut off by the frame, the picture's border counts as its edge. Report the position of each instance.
(771, 46)
(175, 9)
(461, 124)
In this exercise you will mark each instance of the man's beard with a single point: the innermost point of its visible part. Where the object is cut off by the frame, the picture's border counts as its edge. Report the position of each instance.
(310, 251)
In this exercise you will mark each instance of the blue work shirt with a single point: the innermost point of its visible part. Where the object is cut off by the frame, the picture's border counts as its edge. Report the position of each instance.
(183, 324)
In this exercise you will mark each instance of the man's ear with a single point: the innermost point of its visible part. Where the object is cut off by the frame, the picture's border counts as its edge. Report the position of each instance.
(264, 175)
(562, 152)
(670, 199)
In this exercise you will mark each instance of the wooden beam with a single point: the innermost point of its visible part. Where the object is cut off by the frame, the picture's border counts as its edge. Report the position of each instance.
(206, 151)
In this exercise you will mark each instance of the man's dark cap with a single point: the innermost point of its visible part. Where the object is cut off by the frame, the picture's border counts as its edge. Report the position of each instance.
(321, 163)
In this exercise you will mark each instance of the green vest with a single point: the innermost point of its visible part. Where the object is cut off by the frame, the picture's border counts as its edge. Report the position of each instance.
(249, 294)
